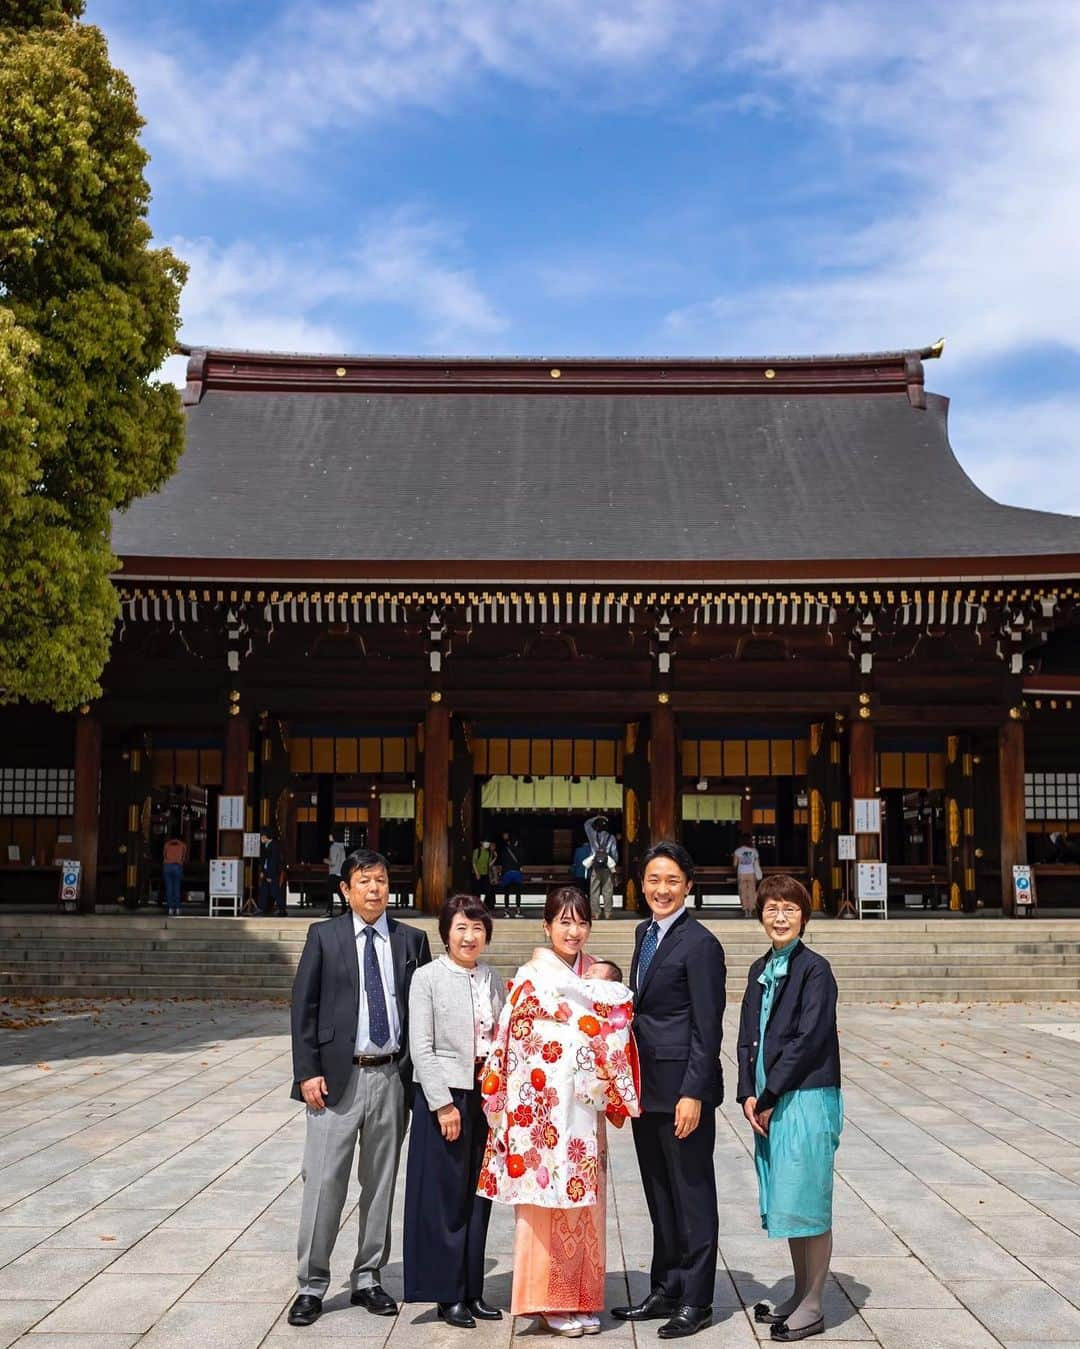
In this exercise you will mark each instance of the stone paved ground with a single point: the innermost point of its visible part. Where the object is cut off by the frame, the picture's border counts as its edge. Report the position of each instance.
(149, 1191)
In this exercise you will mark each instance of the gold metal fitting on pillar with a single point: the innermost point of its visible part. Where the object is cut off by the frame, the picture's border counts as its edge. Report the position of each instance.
(864, 713)
(663, 699)
(436, 696)
(1016, 713)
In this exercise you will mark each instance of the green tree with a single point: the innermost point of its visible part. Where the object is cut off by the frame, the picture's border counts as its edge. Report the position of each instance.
(88, 312)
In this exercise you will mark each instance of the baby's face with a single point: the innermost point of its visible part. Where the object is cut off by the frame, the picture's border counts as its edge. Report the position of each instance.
(602, 971)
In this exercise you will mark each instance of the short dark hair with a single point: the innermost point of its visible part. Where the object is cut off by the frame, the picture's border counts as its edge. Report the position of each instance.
(616, 970)
(567, 897)
(359, 860)
(787, 890)
(469, 907)
(674, 852)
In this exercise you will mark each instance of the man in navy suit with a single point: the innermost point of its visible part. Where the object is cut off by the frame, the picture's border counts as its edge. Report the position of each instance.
(677, 977)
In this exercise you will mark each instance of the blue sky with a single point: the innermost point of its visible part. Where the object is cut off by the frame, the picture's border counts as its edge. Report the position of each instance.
(627, 177)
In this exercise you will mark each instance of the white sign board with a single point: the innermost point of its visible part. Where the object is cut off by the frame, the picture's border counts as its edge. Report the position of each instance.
(867, 815)
(872, 880)
(230, 812)
(1023, 887)
(225, 877)
(252, 845)
(845, 847)
(70, 877)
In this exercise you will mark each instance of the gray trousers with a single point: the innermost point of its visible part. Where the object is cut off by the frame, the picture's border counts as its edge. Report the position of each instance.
(371, 1112)
(601, 890)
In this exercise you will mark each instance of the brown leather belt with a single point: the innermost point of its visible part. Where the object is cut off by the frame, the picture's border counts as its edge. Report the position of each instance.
(373, 1060)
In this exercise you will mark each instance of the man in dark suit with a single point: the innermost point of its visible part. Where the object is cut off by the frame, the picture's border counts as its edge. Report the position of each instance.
(351, 1068)
(678, 980)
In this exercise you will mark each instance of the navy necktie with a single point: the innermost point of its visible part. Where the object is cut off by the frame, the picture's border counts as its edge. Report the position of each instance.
(648, 950)
(378, 1020)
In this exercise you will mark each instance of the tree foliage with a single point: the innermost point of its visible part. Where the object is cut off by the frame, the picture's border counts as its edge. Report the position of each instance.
(88, 312)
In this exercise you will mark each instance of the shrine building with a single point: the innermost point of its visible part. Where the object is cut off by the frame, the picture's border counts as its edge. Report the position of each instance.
(424, 602)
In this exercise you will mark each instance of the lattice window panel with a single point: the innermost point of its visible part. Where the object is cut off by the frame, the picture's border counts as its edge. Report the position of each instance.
(1052, 796)
(37, 791)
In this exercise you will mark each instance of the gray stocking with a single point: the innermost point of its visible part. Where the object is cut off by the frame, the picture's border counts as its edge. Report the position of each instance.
(797, 1247)
(818, 1253)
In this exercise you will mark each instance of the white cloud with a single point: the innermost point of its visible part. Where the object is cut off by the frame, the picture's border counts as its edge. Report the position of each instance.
(336, 66)
(312, 297)
(1024, 454)
(977, 104)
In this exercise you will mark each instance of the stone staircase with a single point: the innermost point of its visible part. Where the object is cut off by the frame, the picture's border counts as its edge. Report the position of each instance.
(904, 960)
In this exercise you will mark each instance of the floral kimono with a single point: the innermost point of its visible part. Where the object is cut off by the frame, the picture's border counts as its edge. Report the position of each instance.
(563, 1053)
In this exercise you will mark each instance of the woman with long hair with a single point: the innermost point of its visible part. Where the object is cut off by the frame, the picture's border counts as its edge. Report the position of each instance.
(563, 1058)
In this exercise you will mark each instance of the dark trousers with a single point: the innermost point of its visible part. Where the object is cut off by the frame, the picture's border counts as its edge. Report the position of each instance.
(680, 1190)
(335, 897)
(446, 1222)
(270, 895)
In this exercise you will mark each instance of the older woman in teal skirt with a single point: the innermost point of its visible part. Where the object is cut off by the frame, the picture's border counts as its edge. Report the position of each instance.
(789, 1088)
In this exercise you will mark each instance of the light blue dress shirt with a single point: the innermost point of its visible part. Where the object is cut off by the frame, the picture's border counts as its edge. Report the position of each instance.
(386, 969)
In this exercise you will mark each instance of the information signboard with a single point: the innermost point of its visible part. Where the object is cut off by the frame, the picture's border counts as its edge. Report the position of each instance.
(70, 881)
(872, 880)
(867, 815)
(224, 877)
(1023, 887)
(230, 812)
(845, 847)
(252, 845)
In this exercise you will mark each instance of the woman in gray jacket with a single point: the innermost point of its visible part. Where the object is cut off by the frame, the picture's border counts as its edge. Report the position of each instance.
(454, 1006)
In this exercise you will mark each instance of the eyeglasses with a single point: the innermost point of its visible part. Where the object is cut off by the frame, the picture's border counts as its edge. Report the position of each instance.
(775, 911)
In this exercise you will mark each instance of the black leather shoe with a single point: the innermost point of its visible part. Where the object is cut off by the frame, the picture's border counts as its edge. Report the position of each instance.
(785, 1334)
(456, 1314)
(686, 1321)
(765, 1315)
(656, 1307)
(305, 1311)
(375, 1300)
(482, 1311)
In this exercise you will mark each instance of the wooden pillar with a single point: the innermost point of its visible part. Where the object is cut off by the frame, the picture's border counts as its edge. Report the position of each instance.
(373, 822)
(434, 809)
(135, 851)
(960, 822)
(863, 773)
(663, 777)
(462, 797)
(234, 778)
(87, 804)
(637, 829)
(826, 792)
(1013, 814)
(746, 813)
(274, 773)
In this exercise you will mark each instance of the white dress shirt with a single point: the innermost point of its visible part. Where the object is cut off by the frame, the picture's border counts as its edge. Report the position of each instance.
(384, 956)
(664, 924)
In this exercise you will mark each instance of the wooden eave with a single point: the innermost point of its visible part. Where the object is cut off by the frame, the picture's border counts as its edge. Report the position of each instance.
(872, 571)
(270, 372)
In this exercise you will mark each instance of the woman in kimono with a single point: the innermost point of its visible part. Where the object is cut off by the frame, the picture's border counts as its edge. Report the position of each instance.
(563, 1057)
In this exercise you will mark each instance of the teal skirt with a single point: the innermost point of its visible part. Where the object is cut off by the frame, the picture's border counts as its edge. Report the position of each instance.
(795, 1162)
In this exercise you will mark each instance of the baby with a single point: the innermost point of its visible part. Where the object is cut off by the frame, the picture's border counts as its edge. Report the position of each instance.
(605, 969)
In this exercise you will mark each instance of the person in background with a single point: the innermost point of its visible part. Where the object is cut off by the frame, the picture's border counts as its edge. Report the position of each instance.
(334, 862)
(577, 866)
(601, 868)
(271, 894)
(789, 1089)
(747, 864)
(483, 859)
(454, 1007)
(172, 874)
(511, 876)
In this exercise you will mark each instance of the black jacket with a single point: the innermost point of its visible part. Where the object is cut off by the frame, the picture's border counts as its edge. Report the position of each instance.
(802, 1048)
(679, 1016)
(326, 1000)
